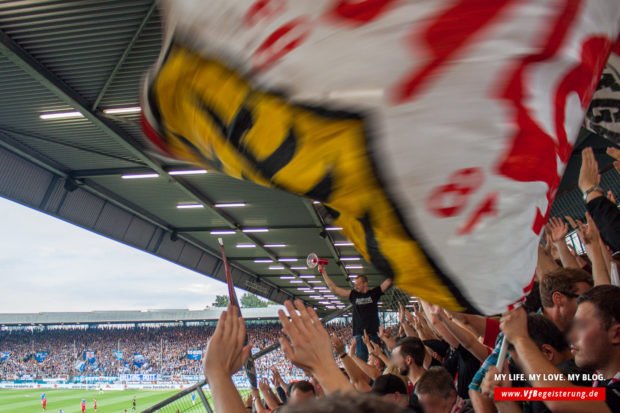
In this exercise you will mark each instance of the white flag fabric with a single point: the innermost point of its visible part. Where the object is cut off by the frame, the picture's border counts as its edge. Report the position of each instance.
(436, 130)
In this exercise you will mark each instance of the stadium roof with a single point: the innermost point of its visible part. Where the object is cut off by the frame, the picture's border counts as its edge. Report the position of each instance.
(58, 58)
(121, 317)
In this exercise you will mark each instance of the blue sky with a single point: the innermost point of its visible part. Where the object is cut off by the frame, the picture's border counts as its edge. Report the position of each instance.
(50, 265)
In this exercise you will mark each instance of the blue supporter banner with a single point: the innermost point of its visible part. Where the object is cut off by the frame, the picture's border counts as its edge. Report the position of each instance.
(194, 354)
(89, 356)
(138, 377)
(118, 354)
(80, 365)
(138, 360)
(4, 355)
(39, 356)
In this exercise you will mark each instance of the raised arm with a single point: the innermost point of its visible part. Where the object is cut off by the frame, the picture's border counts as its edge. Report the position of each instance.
(432, 311)
(464, 337)
(225, 354)
(387, 283)
(589, 235)
(545, 263)
(342, 292)
(558, 230)
(270, 398)
(310, 347)
(356, 376)
(476, 323)
(533, 362)
(385, 336)
(366, 368)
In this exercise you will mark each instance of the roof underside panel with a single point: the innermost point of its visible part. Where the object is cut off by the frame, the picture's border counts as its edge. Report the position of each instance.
(79, 41)
(86, 55)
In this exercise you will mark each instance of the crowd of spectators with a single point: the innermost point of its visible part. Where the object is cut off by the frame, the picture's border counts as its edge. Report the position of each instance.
(566, 334)
(165, 350)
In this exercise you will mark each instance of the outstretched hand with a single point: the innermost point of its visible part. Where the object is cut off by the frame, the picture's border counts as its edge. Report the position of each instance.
(615, 153)
(588, 232)
(310, 347)
(338, 344)
(225, 352)
(557, 229)
(588, 174)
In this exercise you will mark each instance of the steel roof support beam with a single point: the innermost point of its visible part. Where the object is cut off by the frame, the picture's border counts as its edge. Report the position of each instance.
(54, 84)
(30, 155)
(316, 217)
(121, 60)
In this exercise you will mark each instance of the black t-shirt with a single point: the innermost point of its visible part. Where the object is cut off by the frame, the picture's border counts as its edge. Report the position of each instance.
(365, 311)
(612, 395)
(463, 365)
(566, 367)
(414, 403)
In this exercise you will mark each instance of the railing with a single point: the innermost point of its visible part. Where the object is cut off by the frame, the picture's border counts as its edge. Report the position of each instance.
(182, 401)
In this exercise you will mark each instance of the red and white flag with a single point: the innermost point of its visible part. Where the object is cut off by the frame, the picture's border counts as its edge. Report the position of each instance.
(437, 129)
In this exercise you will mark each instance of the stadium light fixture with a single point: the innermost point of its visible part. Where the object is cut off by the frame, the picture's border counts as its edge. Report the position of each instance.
(223, 232)
(139, 176)
(188, 172)
(61, 115)
(323, 302)
(299, 268)
(333, 228)
(246, 245)
(306, 275)
(315, 281)
(122, 111)
(296, 281)
(190, 206)
(262, 261)
(353, 275)
(353, 267)
(251, 230)
(350, 258)
(288, 259)
(343, 244)
(276, 267)
(230, 205)
(287, 277)
(316, 202)
(275, 245)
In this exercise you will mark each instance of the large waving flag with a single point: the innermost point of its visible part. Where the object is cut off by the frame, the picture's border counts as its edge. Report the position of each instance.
(118, 354)
(4, 355)
(436, 131)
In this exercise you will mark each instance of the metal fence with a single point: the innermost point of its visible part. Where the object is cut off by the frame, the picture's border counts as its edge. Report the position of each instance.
(182, 402)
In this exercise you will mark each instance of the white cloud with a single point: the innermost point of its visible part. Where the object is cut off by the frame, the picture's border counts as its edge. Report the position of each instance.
(50, 265)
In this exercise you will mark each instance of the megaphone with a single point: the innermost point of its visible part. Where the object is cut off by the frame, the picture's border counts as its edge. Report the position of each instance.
(313, 260)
